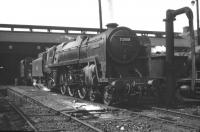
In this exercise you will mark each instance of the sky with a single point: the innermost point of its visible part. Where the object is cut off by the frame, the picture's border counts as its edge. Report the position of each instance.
(135, 14)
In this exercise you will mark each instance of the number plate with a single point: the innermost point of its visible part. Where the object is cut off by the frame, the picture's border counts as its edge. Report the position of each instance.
(125, 39)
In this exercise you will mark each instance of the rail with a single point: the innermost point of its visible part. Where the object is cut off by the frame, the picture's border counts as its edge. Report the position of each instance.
(23, 116)
(176, 113)
(170, 122)
(34, 101)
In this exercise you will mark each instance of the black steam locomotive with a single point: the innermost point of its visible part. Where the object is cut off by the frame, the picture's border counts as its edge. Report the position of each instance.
(113, 66)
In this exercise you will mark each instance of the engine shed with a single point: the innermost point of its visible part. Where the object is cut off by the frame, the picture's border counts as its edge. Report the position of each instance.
(20, 41)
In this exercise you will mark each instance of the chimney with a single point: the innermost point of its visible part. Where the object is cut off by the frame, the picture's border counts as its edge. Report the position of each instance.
(111, 25)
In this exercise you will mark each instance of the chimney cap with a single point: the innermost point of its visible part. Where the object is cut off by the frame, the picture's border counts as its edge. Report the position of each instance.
(112, 25)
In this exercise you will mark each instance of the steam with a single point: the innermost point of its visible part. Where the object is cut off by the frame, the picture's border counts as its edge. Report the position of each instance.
(110, 7)
(158, 49)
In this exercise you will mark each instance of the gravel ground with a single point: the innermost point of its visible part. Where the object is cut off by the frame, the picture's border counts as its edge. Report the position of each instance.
(173, 117)
(137, 124)
(45, 119)
(107, 121)
(127, 121)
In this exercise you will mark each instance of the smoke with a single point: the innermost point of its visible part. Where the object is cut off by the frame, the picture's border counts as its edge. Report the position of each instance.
(158, 49)
(110, 7)
(64, 38)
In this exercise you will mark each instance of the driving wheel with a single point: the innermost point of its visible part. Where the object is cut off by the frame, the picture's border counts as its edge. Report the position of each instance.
(71, 91)
(63, 89)
(51, 84)
(62, 85)
(82, 92)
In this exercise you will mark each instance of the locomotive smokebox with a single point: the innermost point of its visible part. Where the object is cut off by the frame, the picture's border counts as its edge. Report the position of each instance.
(122, 44)
(111, 25)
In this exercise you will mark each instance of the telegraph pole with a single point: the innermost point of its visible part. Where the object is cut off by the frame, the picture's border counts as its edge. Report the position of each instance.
(100, 15)
(197, 9)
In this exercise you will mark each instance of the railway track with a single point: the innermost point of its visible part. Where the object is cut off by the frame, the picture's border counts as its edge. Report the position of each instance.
(109, 119)
(175, 118)
(131, 121)
(128, 120)
(42, 118)
(10, 119)
(165, 119)
(23, 116)
(181, 118)
(181, 114)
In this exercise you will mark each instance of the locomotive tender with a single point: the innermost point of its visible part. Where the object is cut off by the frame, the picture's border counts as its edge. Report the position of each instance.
(184, 84)
(25, 72)
(113, 65)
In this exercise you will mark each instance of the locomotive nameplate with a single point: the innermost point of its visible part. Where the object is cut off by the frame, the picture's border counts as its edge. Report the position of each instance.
(125, 39)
